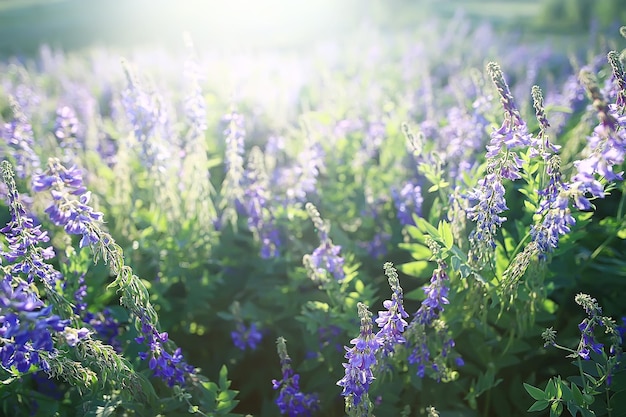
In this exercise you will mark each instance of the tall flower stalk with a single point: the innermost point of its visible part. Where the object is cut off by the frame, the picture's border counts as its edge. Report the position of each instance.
(392, 321)
(69, 208)
(502, 163)
(291, 401)
(359, 369)
(326, 258)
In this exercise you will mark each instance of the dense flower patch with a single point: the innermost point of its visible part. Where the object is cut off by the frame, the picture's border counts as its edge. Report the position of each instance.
(418, 227)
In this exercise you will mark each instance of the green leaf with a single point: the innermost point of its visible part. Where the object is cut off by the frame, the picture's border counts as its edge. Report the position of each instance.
(415, 233)
(445, 231)
(415, 268)
(536, 393)
(425, 227)
(224, 383)
(417, 250)
(578, 396)
(556, 409)
(551, 389)
(416, 294)
(539, 405)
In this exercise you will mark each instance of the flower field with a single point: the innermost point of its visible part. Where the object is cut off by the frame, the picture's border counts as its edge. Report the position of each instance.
(406, 225)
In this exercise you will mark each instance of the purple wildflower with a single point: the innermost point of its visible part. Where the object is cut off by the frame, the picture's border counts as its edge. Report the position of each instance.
(260, 217)
(554, 206)
(436, 296)
(106, 327)
(502, 163)
(18, 134)
(26, 323)
(361, 361)
(75, 215)
(26, 326)
(326, 257)
(546, 148)
(65, 130)
(232, 187)
(169, 366)
(148, 119)
(300, 180)
(392, 321)
(513, 133)
(606, 148)
(246, 337)
(408, 201)
(489, 196)
(23, 238)
(291, 400)
(588, 342)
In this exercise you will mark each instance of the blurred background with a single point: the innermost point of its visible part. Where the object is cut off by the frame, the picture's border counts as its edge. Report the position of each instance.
(77, 24)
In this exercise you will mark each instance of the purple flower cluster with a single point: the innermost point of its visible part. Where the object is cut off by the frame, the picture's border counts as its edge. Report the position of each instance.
(361, 361)
(104, 324)
(66, 131)
(255, 204)
(502, 163)
(490, 203)
(170, 367)
(291, 400)
(23, 238)
(232, 186)
(554, 206)
(392, 321)
(244, 337)
(408, 201)
(427, 331)
(423, 343)
(18, 134)
(513, 133)
(300, 180)
(326, 257)
(588, 342)
(70, 201)
(26, 323)
(26, 326)
(148, 119)
(606, 148)
(436, 296)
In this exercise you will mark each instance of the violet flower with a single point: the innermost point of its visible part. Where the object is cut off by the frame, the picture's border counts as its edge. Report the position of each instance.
(66, 131)
(232, 190)
(256, 205)
(606, 149)
(408, 201)
(291, 400)
(361, 362)
(18, 134)
(502, 163)
(392, 321)
(148, 119)
(169, 366)
(74, 214)
(436, 295)
(326, 257)
(26, 326)
(244, 337)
